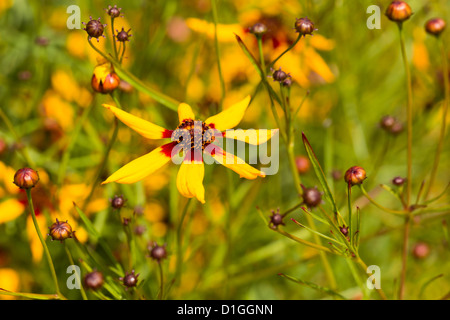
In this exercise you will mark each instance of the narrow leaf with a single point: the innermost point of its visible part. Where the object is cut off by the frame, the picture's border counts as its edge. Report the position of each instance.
(313, 286)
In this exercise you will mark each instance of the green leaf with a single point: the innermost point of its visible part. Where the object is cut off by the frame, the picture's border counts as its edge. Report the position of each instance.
(313, 286)
(319, 173)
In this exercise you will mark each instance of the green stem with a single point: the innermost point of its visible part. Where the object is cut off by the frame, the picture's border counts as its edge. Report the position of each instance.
(216, 44)
(73, 140)
(379, 206)
(24, 149)
(364, 269)
(161, 281)
(289, 48)
(408, 115)
(261, 55)
(69, 255)
(114, 38)
(444, 118)
(123, 52)
(179, 240)
(44, 245)
(350, 227)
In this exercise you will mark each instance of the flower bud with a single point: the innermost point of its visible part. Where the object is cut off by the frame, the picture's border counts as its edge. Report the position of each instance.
(302, 163)
(304, 26)
(435, 26)
(279, 75)
(398, 181)
(387, 122)
(93, 280)
(344, 230)
(113, 12)
(123, 35)
(118, 202)
(276, 219)
(130, 279)
(398, 11)
(94, 28)
(421, 250)
(355, 175)
(311, 197)
(157, 252)
(60, 230)
(258, 29)
(104, 80)
(26, 178)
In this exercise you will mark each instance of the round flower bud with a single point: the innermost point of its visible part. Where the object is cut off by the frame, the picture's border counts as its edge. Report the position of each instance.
(26, 178)
(344, 230)
(113, 12)
(123, 35)
(355, 175)
(398, 11)
(118, 202)
(311, 197)
(396, 128)
(94, 28)
(304, 26)
(276, 219)
(302, 163)
(421, 250)
(157, 252)
(93, 280)
(387, 122)
(435, 26)
(130, 279)
(398, 181)
(279, 75)
(60, 230)
(258, 29)
(104, 79)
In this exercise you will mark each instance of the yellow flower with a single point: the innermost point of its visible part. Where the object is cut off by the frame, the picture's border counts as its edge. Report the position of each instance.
(198, 139)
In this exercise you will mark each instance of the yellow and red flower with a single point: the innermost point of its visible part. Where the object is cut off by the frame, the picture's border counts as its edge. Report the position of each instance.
(194, 138)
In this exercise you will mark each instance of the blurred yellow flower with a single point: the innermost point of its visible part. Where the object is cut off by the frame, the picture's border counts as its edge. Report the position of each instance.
(9, 280)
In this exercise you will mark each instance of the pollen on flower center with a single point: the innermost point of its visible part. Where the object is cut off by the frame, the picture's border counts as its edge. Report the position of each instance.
(192, 134)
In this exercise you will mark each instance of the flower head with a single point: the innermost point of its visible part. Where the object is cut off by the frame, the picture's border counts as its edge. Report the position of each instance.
(399, 11)
(26, 178)
(435, 26)
(60, 230)
(304, 26)
(192, 139)
(355, 175)
(94, 28)
(104, 79)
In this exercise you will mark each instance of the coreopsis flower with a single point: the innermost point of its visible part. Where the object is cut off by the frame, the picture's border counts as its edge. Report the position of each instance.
(192, 138)
(104, 79)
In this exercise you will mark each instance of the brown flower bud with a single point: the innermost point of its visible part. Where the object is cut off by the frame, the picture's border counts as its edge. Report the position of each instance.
(304, 26)
(157, 252)
(118, 202)
(421, 250)
(276, 219)
(302, 163)
(311, 197)
(355, 175)
(399, 11)
(94, 28)
(26, 178)
(113, 12)
(60, 230)
(398, 181)
(279, 75)
(130, 279)
(344, 230)
(93, 280)
(123, 35)
(387, 122)
(258, 29)
(435, 26)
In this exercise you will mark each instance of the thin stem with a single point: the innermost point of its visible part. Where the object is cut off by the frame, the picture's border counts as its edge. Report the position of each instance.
(261, 54)
(363, 266)
(409, 160)
(114, 38)
(44, 245)
(73, 139)
(123, 52)
(379, 206)
(179, 240)
(216, 44)
(350, 227)
(444, 118)
(24, 149)
(161, 277)
(289, 48)
(409, 117)
(69, 255)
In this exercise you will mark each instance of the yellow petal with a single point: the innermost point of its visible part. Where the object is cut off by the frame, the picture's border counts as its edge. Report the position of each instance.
(10, 209)
(143, 166)
(190, 180)
(230, 117)
(141, 126)
(185, 112)
(251, 136)
(10, 280)
(236, 164)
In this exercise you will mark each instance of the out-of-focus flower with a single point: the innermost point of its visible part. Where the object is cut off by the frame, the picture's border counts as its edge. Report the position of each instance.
(192, 137)
(435, 26)
(10, 280)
